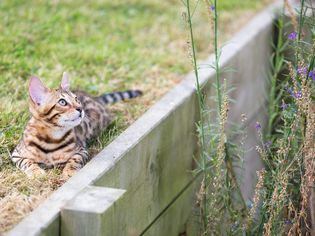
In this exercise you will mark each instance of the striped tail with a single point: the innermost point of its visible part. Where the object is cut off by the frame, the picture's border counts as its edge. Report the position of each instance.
(109, 98)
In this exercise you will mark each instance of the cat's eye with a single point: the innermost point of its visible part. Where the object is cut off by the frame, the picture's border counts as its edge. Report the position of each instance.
(63, 102)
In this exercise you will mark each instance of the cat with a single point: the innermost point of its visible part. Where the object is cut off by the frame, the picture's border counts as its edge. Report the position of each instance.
(61, 124)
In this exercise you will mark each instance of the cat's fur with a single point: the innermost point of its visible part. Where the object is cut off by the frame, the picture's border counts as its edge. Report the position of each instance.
(61, 124)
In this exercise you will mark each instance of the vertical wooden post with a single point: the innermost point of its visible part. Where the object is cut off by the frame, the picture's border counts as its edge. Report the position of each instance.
(91, 212)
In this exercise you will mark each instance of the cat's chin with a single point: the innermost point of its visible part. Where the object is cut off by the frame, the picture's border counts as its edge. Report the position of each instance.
(73, 123)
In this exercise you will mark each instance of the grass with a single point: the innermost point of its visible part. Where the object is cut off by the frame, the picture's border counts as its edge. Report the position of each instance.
(105, 46)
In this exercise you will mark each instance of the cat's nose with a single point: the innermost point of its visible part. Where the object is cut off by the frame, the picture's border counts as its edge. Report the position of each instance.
(79, 109)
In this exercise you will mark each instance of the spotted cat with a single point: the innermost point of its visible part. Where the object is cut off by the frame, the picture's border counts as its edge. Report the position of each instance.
(61, 123)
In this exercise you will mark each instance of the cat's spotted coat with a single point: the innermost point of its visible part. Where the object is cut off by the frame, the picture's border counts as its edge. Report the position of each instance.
(61, 124)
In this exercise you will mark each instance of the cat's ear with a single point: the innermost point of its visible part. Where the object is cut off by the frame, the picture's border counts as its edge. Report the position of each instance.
(37, 90)
(65, 82)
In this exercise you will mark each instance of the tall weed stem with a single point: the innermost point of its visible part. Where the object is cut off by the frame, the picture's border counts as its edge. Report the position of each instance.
(201, 111)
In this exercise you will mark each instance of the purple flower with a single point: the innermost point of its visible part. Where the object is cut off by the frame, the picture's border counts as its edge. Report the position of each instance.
(312, 75)
(257, 126)
(288, 222)
(297, 94)
(292, 36)
(302, 70)
(267, 144)
(212, 8)
(284, 105)
(289, 90)
(294, 94)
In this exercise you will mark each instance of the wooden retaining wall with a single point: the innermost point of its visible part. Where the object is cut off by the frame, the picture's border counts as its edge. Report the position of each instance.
(142, 183)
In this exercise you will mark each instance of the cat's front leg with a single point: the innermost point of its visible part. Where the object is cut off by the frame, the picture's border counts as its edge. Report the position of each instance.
(76, 162)
(28, 166)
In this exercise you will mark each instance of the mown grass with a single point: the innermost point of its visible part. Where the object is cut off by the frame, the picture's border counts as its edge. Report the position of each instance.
(105, 46)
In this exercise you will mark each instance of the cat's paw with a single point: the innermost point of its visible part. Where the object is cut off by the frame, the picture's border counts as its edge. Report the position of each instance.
(35, 172)
(68, 172)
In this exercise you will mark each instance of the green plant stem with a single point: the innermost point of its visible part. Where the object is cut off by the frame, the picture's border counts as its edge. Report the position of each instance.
(216, 52)
(219, 97)
(298, 41)
(201, 109)
(278, 64)
(301, 18)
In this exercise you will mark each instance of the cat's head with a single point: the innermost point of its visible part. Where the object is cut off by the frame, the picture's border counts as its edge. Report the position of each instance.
(56, 107)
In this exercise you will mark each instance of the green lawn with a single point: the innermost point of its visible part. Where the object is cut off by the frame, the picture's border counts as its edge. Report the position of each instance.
(105, 46)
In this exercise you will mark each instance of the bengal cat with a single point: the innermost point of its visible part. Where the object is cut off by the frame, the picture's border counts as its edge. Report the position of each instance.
(61, 123)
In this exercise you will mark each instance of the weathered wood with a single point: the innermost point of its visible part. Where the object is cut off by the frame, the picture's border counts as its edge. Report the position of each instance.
(92, 212)
(157, 168)
(180, 218)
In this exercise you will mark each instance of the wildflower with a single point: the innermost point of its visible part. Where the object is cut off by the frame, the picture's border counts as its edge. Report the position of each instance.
(212, 8)
(267, 144)
(302, 70)
(288, 222)
(294, 94)
(292, 36)
(297, 94)
(257, 126)
(289, 90)
(312, 75)
(284, 105)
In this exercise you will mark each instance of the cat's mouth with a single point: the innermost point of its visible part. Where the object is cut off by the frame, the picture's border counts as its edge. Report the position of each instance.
(76, 119)
(80, 117)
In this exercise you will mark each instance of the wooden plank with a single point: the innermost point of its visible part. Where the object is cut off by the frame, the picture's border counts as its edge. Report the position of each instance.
(156, 169)
(92, 212)
(180, 217)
